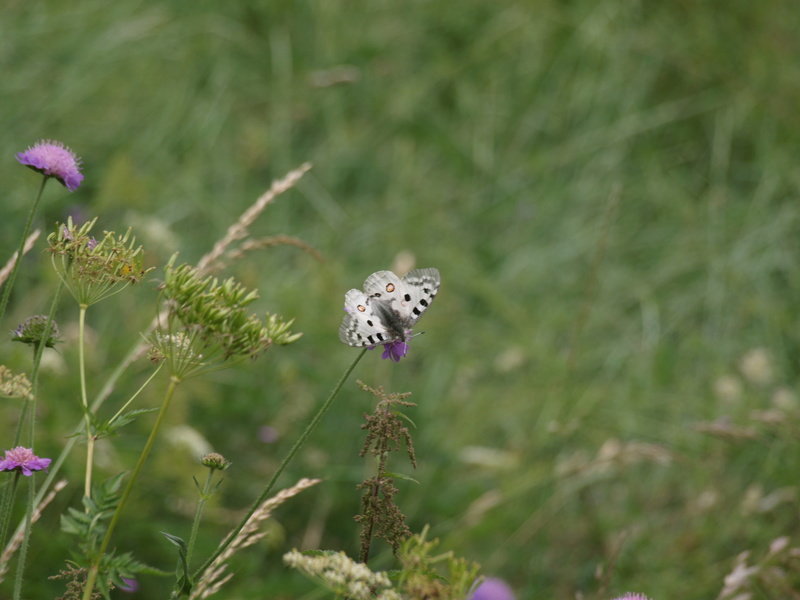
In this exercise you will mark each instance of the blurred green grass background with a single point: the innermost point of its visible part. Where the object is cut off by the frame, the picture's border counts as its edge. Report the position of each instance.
(609, 190)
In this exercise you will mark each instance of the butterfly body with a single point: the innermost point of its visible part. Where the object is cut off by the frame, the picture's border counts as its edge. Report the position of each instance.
(388, 307)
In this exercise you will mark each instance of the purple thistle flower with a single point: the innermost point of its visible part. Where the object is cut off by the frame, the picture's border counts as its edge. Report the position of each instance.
(54, 159)
(492, 589)
(23, 459)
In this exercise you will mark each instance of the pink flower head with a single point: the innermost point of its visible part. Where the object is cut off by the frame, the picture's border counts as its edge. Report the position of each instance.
(632, 596)
(492, 589)
(23, 459)
(54, 159)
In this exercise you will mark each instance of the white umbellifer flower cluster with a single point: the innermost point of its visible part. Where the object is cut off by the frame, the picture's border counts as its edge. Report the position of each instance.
(342, 575)
(179, 341)
(178, 346)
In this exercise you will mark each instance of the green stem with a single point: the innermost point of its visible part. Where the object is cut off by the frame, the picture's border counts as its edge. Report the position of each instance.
(90, 438)
(265, 494)
(37, 357)
(13, 275)
(8, 503)
(94, 569)
(30, 405)
(139, 391)
(204, 495)
(23, 549)
(23, 416)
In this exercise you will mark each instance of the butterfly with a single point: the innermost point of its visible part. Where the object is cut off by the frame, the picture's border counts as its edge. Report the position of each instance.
(388, 307)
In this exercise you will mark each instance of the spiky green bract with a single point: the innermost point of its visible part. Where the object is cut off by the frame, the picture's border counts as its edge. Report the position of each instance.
(93, 270)
(207, 322)
(36, 330)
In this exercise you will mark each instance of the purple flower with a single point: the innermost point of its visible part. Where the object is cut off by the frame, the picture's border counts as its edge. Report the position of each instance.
(23, 459)
(54, 159)
(492, 589)
(395, 350)
(632, 596)
(131, 585)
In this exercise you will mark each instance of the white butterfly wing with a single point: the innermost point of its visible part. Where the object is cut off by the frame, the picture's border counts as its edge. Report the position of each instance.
(382, 284)
(360, 326)
(419, 289)
(410, 296)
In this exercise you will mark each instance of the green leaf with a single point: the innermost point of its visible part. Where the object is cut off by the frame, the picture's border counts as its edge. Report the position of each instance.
(183, 584)
(405, 417)
(127, 417)
(401, 476)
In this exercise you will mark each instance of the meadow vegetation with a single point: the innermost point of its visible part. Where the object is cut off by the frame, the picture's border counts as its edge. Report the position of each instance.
(606, 391)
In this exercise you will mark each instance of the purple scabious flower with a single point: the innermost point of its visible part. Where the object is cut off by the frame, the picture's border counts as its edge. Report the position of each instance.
(54, 159)
(395, 350)
(23, 459)
(492, 589)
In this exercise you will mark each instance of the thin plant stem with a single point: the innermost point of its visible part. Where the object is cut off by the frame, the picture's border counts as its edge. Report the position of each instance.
(94, 569)
(48, 327)
(90, 438)
(204, 495)
(8, 497)
(23, 416)
(23, 549)
(139, 391)
(297, 445)
(21, 251)
(30, 404)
